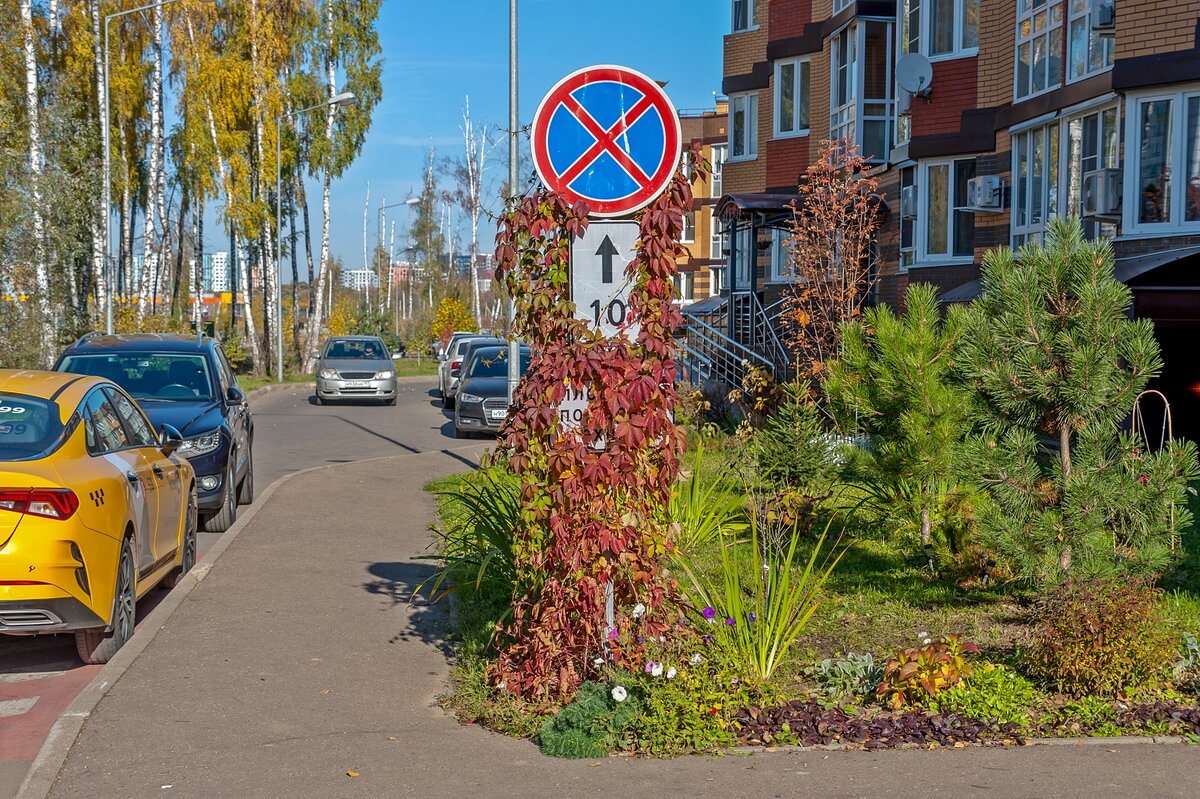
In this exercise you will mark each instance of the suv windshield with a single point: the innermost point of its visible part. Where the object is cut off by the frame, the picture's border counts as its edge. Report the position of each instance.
(149, 375)
(493, 362)
(355, 349)
(28, 426)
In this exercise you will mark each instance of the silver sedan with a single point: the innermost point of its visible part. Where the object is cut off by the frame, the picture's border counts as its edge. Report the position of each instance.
(355, 367)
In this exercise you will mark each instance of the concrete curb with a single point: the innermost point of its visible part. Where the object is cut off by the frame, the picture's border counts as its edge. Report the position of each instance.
(1121, 740)
(53, 754)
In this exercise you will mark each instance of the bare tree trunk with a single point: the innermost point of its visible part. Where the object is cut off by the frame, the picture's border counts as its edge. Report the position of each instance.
(197, 277)
(295, 276)
(302, 193)
(266, 250)
(153, 173)
(99, 239)
(32, 110)
(314, 330)
(125, 250)
(177, 278)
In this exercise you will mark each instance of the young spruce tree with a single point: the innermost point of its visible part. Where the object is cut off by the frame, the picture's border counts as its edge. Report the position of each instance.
(1057, 364)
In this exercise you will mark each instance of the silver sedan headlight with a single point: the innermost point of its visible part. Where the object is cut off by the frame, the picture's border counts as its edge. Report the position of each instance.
(328, 374)
(386, 374)
(202, 444)
(469, 399)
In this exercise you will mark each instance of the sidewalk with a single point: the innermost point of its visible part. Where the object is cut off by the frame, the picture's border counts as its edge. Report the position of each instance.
(297, 659)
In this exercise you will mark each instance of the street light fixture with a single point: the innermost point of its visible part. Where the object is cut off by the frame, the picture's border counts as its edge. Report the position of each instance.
(105, 134)
(344, 98)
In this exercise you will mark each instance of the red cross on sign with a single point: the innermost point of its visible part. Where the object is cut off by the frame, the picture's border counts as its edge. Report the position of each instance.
(606, 135)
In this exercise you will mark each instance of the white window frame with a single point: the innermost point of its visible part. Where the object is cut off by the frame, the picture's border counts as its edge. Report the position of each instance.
(921, 223)
(751, 23)
(716, 241)
(841, 5)
(1051, 195)
(847, 114)
(781, 267)
(800, 89)
(749, 136)
(923, 9)
(685, 280)
(1070, 194)
(720, 153)
(687, 233)
(716, 280)
(1079, 16)
(1176, 165)
(1029, 11)
(746, 260)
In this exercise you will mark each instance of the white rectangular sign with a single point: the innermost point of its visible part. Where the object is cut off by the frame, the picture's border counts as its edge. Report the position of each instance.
(599, 288)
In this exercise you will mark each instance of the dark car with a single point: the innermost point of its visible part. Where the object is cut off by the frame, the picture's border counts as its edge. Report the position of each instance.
(466, 347)
(483, 391)
(186, 382)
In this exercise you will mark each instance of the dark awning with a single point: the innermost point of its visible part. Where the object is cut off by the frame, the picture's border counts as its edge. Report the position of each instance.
(764, 210)
(702, 307)
(1126, 269)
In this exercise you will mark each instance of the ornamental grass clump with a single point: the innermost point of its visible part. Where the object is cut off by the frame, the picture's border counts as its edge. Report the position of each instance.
(1102, 637)
(759, 617)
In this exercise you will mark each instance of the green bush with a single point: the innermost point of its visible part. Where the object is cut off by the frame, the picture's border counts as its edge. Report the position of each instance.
(1101, 637)
(793, 450)
(992, 693)
(851, 677)
(591, 725)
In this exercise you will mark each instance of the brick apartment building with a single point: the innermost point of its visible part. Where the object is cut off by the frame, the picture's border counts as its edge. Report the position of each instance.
(699, 275)
(1036, 108)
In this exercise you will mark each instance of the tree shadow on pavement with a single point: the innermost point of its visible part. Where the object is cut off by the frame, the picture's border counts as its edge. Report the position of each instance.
(397, 583)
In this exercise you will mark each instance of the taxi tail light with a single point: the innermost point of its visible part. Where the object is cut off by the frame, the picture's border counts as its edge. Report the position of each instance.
(50, 503)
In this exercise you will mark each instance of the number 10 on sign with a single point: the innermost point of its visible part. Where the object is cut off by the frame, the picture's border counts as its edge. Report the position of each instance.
(599, 287)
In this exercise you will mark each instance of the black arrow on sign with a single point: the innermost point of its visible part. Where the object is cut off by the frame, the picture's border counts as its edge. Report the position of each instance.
(606, 252)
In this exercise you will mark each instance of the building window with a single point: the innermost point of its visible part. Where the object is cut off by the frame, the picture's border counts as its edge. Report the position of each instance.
(719, 152)
(688, 234)
(946, 29)
(1039, 46)
(745, 258)
(685, 286)
(743, 15)
(841, 5)
(1163, 187)
(908, 227)
(861, 104)
(717, 242)
(716, 276)
(743, 125)
(1035, 182)
(1093, 142)
(791, 98)
(1087, 51)
(948, 230)
(781, 261)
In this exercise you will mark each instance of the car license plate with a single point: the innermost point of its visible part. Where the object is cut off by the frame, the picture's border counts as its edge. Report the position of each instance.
(498, 414)
(357, 384)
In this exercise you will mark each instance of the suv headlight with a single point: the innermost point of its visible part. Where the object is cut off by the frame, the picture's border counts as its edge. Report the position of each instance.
(200, 445)
(386, 374)
(469, 399)
(329, 374)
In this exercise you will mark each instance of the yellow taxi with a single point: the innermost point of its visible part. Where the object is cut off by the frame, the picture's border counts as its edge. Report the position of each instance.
(95, 509)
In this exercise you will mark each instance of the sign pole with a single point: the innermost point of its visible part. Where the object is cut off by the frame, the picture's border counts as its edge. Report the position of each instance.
(514, 348)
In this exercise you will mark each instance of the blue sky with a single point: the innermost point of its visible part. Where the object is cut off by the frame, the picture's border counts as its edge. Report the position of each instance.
(438, 53)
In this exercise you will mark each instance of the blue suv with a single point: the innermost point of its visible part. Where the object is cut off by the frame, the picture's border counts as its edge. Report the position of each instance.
(186, 382)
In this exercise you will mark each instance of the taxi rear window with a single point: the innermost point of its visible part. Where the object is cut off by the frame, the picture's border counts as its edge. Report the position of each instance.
(28, 426)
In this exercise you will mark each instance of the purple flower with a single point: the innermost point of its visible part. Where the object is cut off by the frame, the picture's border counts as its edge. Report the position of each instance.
(730, 622)
(706, 639)
(649, 666)
(709, 613)
(752, 617)
(612, 634)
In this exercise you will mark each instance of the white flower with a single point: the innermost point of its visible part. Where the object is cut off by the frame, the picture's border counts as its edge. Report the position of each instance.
(657, 670)
(619, 693)
(638, 610)
(500, 686)
(927, 641)
(696, 659)
(598, 663)
(922, 635)
(671, 673)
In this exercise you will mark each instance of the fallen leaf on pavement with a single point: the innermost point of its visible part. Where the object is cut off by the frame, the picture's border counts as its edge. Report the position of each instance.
(351, 773)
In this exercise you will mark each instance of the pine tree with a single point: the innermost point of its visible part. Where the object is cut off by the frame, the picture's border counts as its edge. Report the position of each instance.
(894, 385)
(1057, 365)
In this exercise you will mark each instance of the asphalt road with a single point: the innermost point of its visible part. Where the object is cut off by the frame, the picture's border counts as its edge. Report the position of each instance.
(40, 676)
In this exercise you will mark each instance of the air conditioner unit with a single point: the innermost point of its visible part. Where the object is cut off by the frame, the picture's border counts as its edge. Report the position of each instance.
(1104, 16)
(908, 202)
(904, 103)
(1102, 193)
(985, 193)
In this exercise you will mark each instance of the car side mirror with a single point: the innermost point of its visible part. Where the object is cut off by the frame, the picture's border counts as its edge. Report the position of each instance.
(169, 439)
(235, 396)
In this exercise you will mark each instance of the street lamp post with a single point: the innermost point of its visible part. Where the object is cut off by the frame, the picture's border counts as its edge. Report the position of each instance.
(341, 99)
(514, 348)
(105, 135)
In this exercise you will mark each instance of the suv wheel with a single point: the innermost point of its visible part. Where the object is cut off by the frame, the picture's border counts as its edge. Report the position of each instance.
(223, 519)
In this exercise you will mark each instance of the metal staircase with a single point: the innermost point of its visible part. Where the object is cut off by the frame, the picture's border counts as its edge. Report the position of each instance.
(722, 343)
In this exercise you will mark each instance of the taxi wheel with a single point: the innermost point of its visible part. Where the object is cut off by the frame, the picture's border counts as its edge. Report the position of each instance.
(187, 548)
(96, 647)
(222, 520)
(245, 494)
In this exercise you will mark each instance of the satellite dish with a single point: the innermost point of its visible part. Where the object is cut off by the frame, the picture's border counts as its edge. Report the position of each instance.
(914, 73)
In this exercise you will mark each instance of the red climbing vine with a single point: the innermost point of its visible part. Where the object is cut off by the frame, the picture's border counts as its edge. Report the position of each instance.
(592, 514)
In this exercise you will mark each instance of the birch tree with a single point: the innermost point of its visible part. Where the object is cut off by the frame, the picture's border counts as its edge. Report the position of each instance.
(469, 174)
(152, 208)
(33, 111)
